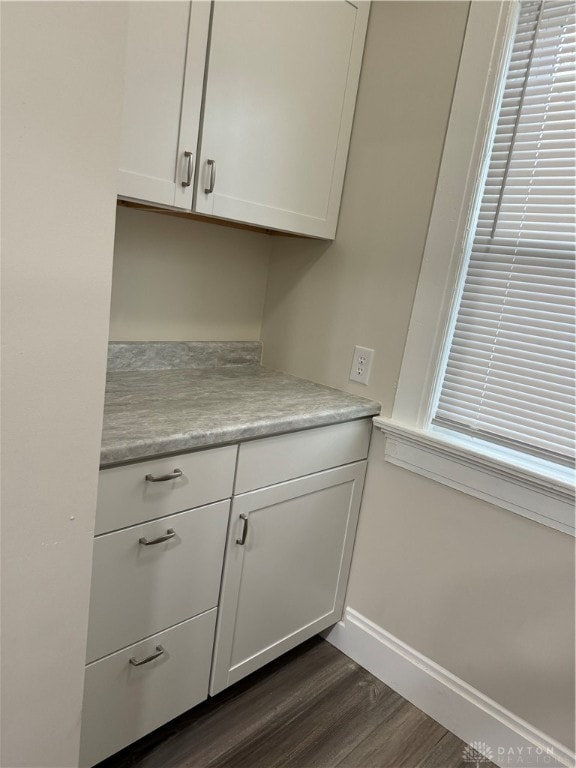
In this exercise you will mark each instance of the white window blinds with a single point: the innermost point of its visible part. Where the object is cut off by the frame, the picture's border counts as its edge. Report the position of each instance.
(510, 369)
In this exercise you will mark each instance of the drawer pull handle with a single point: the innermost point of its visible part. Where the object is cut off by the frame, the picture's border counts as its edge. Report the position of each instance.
(210, 188)
(162, 478)
(170, 533)
(188, 181)
(242, 539)
(159, 651)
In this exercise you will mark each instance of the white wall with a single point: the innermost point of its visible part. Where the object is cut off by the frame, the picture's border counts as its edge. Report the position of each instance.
(61, 101)
(180, 279)
(485, 593)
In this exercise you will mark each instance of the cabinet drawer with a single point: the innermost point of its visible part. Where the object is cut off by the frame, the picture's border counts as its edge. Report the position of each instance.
(123, 702)
(126, 497)
(276, 459)
(139, 589)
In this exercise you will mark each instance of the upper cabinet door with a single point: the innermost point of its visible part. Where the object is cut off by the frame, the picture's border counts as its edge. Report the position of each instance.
(279, 103)
(164, 73)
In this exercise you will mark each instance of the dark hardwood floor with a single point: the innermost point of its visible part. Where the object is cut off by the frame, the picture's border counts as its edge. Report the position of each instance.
(312, 708)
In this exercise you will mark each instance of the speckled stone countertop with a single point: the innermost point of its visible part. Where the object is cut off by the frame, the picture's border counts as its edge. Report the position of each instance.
(167, 410)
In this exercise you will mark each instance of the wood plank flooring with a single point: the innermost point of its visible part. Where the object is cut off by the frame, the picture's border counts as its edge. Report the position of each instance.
(312, 708)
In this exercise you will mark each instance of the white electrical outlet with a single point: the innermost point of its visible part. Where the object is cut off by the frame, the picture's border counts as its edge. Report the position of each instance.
(361, 364)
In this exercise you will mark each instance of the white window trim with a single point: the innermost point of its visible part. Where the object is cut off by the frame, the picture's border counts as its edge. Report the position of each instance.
(459, 463)
(521, 485)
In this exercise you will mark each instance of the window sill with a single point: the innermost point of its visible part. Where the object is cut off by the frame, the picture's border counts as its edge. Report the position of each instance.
(524, 488)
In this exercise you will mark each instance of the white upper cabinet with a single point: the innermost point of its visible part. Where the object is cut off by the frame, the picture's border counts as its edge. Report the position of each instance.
(279, 103)
(163, 76)
(279, 84)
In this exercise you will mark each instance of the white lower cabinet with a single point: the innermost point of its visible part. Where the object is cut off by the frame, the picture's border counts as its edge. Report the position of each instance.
(173, 560)
(287, 562)
(126, 696)
(158, 553)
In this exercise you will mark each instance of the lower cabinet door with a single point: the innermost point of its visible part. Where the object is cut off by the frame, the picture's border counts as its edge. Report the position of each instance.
(134, 691)
(286, 567)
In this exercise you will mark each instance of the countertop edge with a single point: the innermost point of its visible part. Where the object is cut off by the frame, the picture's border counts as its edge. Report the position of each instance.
(134, 451)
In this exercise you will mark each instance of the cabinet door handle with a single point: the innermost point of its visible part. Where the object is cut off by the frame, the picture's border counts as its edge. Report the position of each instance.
(242, 539)
(189, 168)
(162, 478)
(210, 188)
(170, 533)
(159, 651)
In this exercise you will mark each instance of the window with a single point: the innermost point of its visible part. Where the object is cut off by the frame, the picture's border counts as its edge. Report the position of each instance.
(510, 371)
(485, 400)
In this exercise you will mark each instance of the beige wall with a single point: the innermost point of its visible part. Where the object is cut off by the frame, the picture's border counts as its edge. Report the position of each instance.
(324, 298)
(485, 593)
(179, 279)
(61, 102)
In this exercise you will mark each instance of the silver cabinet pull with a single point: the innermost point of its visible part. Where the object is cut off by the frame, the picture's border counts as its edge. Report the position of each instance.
(210, 188)
(170, 533)
(189, 168)
(159, 651)
(162, 478)
(242, 539)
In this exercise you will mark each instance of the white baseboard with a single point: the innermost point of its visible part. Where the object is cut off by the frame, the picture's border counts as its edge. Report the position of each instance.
(459, 707)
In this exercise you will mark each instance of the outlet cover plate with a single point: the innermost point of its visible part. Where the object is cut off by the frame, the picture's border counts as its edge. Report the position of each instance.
(361, 364)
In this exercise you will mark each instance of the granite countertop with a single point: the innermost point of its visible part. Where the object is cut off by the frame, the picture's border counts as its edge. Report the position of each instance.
(170, 398)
